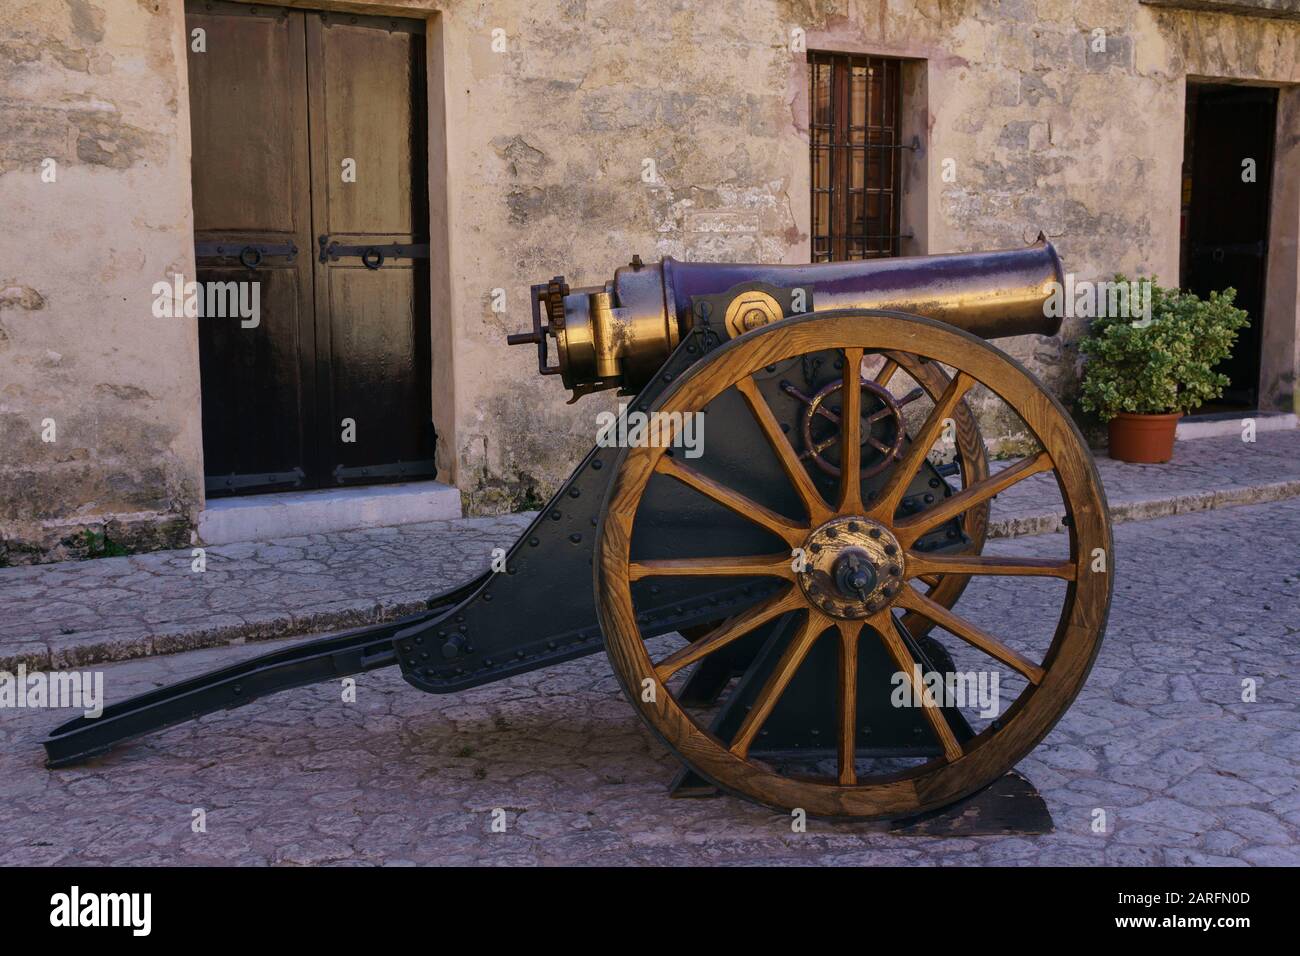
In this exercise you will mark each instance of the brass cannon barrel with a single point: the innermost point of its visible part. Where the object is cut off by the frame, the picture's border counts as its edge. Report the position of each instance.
(619, 334)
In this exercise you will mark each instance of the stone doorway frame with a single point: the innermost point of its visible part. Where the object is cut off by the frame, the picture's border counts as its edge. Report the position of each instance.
(1279, 368)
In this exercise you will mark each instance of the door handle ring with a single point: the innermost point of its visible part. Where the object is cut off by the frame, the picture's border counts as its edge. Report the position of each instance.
(250, 257)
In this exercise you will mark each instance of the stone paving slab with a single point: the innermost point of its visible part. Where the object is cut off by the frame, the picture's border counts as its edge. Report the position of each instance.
(1159, 740)
(77, 613)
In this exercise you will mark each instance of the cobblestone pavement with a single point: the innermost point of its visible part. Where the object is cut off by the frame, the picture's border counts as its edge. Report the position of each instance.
(1159, 739)
(110, 609)
(74, 613)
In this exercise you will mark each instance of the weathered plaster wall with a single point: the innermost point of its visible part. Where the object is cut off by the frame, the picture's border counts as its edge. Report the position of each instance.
(1049, 132)
(546, 141)
(94, 86)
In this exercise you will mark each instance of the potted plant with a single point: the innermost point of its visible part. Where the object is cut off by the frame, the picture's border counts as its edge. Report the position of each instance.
(1144, 374)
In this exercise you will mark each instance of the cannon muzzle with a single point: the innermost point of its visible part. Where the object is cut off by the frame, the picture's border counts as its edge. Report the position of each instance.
(619, 334)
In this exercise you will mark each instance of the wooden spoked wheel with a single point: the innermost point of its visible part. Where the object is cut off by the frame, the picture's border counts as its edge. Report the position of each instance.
(944, 589)
(896, 573)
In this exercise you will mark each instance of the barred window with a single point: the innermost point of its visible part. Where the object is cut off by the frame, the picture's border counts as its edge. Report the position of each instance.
(854, 126)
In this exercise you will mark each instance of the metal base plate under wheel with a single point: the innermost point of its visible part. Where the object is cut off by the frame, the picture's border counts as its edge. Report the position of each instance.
(1010, 806)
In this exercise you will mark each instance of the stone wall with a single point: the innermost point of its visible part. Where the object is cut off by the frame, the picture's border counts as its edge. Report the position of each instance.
(546, 144)
(550, 145)
(539, 167)
(94, 209)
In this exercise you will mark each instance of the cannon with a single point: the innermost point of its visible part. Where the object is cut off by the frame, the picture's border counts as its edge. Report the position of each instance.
(779, 563)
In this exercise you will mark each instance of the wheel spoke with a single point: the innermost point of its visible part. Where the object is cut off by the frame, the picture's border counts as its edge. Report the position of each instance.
(902, 475)
(825, 443)
(920, 564)
(848, 700)
(850, 500)
(886, 372)
(827, 414)
(818, 512)
(763, 565)
(977, 637)
(910, 397)
(779, 525)
(779, 679)
(883, 624)
(730, 630)
(911, 529)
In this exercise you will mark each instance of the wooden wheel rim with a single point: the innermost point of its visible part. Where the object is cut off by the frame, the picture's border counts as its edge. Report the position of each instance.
(1028, 719)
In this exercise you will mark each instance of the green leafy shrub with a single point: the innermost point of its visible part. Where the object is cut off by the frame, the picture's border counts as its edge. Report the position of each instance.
(1166, 365)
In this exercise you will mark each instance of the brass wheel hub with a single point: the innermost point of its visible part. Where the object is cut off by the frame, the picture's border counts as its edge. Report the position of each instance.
(853, 567)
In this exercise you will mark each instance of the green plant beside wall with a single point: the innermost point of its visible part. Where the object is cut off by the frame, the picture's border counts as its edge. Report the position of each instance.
(97, 544)
(1166, 365)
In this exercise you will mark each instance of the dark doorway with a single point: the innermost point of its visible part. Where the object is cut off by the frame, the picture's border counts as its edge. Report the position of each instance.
(1225, 214)
(310, 179)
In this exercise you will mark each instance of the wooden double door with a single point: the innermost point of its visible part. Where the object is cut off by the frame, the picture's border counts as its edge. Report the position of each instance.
(310, 181)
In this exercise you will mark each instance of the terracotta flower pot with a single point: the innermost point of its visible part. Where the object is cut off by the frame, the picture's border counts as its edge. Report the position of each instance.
(1144, 439)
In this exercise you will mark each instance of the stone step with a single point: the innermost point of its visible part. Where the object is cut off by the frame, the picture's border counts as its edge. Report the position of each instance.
(263, 517)
(1223, 424)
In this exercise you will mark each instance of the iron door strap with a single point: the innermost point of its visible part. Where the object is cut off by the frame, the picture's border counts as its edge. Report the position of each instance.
(250, 254)
(260, 479)
(1218, 252)
(397, 469)
(372, 256)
